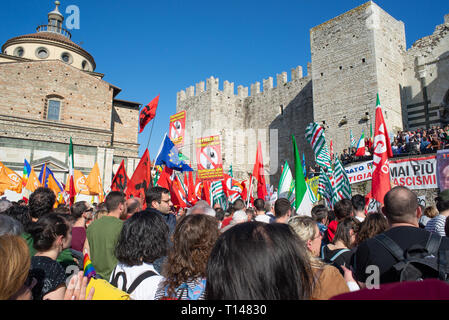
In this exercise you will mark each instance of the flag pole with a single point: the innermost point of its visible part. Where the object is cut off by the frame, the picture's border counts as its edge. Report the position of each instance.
(151, 132)
(250, 190)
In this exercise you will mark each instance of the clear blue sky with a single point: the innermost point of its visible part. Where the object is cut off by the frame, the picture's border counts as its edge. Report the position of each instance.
(161, 47)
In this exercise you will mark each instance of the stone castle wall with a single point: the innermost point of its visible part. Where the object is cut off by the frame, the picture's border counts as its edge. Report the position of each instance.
(245, 118)
(355, 56)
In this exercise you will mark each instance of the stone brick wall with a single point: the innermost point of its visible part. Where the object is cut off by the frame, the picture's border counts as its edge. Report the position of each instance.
(125, 122)
(427, 65)
(86, 115)
(344, 74)
(241, 120)
(390, 46)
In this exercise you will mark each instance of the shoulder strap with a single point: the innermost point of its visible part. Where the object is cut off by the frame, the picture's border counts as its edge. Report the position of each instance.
(391, 246)
(322, 252)
(433, 243)
(117, 276)
(338, 254)
(139, 279)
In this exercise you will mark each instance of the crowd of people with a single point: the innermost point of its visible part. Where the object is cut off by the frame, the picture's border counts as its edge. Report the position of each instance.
(404, 143)
(265, 252)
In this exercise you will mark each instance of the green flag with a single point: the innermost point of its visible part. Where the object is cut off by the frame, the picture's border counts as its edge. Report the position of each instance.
(286, 187)
(230, 171)
(303, 204)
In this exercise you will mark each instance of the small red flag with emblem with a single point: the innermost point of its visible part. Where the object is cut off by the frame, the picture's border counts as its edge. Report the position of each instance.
(148, 113)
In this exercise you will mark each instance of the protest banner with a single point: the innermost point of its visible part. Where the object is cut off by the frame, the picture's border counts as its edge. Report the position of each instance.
(359, 172)
(313, 184)
(208, 157)
(177, 128)
(413, 173)
(443, 169)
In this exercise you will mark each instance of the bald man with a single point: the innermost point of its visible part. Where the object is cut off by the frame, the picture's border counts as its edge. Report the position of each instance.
(402, 212)
(133, 205)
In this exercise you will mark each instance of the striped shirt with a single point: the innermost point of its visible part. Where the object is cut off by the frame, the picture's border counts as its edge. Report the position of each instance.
(436, 225)
(196, 287)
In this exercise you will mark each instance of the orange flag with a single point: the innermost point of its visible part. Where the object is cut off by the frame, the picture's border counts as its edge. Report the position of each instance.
(94, 182)
(33, 181)
(80, 183)
(9, 180)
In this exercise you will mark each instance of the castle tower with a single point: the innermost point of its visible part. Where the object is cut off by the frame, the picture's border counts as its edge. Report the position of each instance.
(50, 42)
(355, 56)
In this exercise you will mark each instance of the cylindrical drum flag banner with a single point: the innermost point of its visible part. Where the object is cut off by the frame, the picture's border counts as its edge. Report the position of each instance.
(208, 158)
(177, 128)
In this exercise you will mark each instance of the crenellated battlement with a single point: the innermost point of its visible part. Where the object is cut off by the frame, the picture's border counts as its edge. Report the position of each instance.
(212, 85)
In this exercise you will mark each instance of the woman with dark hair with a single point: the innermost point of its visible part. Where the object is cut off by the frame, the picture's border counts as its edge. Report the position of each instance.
(339, 252)
(142, 240)
(185, 268)
(82, 213)
(258, 261)
(51, 234)
(373, 224)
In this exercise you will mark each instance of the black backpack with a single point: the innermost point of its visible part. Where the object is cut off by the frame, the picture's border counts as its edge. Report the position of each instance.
(417, 262)
(135, 284)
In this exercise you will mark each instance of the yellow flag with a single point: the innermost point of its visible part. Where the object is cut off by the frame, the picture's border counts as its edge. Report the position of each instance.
(94, 182)
(80, 183)
(33, 181)
(9, 180)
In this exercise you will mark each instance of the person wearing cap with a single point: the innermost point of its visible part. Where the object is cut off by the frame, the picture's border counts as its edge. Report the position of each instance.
(437, 224)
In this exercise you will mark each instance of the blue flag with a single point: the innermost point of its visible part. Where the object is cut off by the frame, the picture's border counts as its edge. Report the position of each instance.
(304, 165)
(169, 155)
(45, 174)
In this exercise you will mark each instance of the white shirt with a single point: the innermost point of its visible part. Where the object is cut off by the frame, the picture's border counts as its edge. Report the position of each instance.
(146, 290)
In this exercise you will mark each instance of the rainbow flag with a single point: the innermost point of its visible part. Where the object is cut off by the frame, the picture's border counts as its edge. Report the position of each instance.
(26, 172)
(89, 270)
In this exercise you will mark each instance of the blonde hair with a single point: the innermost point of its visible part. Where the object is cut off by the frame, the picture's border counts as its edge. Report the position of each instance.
(431, 212)
(305, 228)
(100, 213)
(15, 264)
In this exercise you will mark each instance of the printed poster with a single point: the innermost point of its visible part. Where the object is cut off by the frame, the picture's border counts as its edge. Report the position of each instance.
(177, 128)
(208, 158)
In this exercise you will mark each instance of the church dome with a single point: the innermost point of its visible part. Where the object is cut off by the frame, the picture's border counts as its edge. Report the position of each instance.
(50, 42)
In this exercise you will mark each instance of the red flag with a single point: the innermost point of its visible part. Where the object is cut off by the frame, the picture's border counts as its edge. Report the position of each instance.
(120, 180)
(198, 188)
(141, 179)
(178, 196)
(148, 113)
(382, 151)
(166, 178)
(206, 191)
(191, 197)
(258, 174)
(245, 191)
